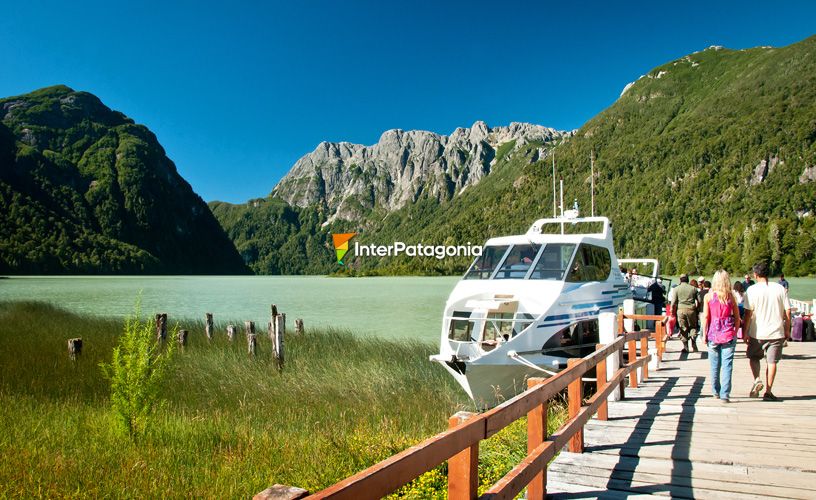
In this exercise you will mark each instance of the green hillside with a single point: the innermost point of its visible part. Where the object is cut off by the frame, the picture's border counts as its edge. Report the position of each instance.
(83, 189)
(708, 161)
(680, 161)
(275, 238)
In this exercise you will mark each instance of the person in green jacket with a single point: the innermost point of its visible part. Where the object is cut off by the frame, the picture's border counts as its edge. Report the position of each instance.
(686, 302)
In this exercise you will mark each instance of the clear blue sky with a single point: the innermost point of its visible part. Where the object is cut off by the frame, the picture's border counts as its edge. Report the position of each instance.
(237, 92)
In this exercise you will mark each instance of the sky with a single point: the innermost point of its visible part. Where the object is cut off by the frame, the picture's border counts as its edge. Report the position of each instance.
(237, 91)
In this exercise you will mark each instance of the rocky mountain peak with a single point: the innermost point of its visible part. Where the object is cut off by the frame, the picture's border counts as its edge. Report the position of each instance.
(350, 179)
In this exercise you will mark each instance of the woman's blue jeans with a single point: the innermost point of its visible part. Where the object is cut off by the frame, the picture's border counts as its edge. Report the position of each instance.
(721, 358)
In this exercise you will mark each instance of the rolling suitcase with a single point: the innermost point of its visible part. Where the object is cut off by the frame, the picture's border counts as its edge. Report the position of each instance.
(796, 330)
(809, 333)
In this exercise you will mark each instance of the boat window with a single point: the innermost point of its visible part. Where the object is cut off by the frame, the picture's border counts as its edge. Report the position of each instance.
(553, 262)
(517, 262)
(485, 264)
(499, 327)
(461, 327)
(460, 330)
(591, 263)
(576, 340)
(523, 321)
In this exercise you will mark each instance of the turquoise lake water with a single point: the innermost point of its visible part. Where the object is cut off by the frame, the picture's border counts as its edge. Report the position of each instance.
(393, 307)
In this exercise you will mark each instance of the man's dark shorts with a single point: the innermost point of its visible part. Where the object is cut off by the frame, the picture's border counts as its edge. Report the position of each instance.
(770, 349)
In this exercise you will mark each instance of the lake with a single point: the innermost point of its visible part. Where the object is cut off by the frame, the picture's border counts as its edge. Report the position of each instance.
(393, 307)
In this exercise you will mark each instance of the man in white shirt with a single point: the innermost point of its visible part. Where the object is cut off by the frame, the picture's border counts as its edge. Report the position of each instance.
(767, 323)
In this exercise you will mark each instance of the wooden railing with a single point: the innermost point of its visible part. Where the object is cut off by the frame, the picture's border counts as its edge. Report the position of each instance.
(459, 445)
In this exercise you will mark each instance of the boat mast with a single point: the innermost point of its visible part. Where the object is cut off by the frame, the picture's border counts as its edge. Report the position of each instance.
(562, 206)
(555, 212)
(592, 178)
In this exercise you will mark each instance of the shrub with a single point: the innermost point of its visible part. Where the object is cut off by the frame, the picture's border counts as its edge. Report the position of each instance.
(136, 372)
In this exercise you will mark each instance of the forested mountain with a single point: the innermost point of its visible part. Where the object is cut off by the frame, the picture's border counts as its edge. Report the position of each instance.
(83, 189)
(350, 187)
(706, 161)
(709, 161)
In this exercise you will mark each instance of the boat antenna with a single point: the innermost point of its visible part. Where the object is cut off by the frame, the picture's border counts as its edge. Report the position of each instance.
(592, 178)
(555, 212)
(562, 197)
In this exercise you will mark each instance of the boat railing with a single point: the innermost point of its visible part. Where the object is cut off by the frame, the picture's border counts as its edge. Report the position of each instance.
(805, 307)
(459, 444)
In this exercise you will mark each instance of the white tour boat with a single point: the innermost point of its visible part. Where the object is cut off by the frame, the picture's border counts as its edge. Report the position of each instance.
(528, 304)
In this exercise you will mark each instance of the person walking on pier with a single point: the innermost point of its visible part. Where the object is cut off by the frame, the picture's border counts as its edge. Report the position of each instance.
(720, 322)
(782, 281)
(768, 325)
(685, 302)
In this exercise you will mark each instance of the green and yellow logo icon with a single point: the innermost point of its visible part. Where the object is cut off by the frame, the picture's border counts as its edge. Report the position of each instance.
(341, 245)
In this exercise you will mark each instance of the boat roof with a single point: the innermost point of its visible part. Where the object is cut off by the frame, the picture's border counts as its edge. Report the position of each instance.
(541, 231)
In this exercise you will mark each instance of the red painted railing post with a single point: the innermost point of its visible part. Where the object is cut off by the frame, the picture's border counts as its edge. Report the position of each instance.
(659, 333)
(600, 376)
(463, 468)
(644, 351)
(575, 394)
(536, 434)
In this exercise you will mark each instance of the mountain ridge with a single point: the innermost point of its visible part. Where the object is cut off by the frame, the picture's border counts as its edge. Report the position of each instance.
(84, 189)
(347, 180)
(707, 161)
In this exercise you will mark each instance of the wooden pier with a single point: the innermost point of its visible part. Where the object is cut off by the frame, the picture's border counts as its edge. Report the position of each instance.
(670, 437)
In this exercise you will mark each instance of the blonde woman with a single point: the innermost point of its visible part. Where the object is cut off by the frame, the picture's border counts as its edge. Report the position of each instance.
(721, 320)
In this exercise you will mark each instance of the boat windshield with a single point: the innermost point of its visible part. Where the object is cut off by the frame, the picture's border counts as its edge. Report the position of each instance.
(486, 263)
(553, 262)
(517, 262)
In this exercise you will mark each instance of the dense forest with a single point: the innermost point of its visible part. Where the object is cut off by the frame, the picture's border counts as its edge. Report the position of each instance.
(85, 190)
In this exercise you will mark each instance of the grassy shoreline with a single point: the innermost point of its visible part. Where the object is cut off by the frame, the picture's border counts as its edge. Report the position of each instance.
(231, 425)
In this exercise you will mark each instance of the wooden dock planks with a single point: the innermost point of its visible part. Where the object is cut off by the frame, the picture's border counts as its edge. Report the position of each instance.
(670, 437)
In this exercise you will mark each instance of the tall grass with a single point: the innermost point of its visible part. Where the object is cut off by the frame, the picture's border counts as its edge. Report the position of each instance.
(231, 426)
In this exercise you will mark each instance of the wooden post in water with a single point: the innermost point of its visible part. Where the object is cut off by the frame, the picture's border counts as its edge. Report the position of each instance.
(298, 326)
(74, 348)
(208, 325)
(272, 316)
(279, 330)
(161, 327)
(252, 344)
(182, 337)
(231, 332)
(252, 341)
(463, 468)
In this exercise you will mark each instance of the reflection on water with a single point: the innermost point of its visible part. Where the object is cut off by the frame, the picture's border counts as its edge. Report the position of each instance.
(395, 307)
